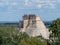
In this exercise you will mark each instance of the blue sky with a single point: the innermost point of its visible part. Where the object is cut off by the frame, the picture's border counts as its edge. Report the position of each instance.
(13, 10)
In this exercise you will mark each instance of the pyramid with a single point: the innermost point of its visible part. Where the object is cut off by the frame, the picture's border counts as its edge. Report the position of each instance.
(33, 26)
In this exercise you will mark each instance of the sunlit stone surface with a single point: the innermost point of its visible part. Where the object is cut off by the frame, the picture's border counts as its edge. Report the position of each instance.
(33, 26)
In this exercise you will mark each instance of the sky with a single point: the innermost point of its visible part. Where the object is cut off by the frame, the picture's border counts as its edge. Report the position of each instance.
(13, 10)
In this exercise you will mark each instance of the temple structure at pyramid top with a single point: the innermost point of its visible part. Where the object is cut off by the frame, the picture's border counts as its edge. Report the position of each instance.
(33, 26)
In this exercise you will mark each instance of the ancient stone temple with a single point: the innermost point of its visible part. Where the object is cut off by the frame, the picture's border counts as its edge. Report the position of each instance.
(33, 26)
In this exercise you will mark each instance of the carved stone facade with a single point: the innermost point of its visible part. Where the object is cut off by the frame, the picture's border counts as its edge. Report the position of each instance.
(33, 26)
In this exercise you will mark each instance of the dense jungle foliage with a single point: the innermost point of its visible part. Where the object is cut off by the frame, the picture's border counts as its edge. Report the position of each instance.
(8, 35)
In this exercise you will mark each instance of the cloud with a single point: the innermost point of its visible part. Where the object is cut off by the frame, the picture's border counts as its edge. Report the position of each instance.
(26, 2)
(29, 4)
(8, 2)
(42, 3)
(1, 4)
(59, 1)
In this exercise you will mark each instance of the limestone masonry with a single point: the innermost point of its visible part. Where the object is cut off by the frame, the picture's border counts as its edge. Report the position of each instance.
(33, 26)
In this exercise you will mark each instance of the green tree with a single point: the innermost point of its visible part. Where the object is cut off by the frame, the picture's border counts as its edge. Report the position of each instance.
(55, 28)
(7, 37)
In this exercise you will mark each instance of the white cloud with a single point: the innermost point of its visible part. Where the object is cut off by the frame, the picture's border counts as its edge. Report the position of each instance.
(29, 4)
(13, 3)
(42, 3)
(1, 4)
(59, 1)
(26, 2)
(40, 6)
(8, 2)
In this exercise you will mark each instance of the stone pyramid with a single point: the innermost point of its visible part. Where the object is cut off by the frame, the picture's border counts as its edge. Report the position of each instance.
(33, 26)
